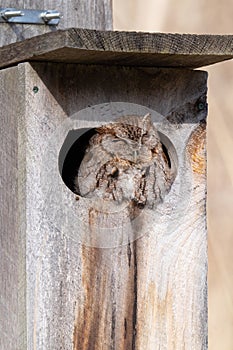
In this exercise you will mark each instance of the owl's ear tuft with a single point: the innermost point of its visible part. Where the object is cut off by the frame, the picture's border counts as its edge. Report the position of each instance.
(100, 129)
(147, 122)
(105, 129)
(146, 117)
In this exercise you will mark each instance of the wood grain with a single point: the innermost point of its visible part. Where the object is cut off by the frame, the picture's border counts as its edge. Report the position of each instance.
(12, 235)
(121, 48)
(82, 14)
(86, 289)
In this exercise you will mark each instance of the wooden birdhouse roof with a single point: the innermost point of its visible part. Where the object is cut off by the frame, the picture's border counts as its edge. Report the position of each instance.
(87, 46)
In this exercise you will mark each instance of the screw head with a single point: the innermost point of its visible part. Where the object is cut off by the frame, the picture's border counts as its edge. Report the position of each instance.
(201, 106)
(35, 89)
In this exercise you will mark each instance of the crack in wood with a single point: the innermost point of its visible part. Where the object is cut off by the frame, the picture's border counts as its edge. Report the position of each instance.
(135, 293)
(129, 253)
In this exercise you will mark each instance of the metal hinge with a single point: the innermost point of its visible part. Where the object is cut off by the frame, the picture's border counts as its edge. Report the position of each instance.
(12, 15)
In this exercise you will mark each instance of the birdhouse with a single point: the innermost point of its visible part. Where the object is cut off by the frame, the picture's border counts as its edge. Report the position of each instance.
(103, 177)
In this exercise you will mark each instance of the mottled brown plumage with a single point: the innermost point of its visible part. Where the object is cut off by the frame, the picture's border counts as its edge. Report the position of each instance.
(125, 161)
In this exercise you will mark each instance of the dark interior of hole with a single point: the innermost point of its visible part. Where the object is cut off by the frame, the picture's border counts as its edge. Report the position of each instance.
(74, 156)
(166, 155)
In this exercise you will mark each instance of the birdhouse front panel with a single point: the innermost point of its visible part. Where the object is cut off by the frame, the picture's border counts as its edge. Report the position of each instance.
(114, 164)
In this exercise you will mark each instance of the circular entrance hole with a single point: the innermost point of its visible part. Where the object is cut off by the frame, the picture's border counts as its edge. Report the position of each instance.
(74, 149)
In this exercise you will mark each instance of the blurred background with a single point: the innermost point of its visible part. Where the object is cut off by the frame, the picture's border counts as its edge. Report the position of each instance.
(211, 17)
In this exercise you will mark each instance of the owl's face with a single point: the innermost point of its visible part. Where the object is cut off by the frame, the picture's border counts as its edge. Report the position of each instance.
(130, 140)
(127, 149)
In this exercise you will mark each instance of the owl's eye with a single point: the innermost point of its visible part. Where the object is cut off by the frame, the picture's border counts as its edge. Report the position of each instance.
(116, 140)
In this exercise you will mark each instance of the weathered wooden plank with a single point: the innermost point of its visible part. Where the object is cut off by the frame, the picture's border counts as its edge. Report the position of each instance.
(12, 236)
(122, 48)
(92, 282)
(82, 14)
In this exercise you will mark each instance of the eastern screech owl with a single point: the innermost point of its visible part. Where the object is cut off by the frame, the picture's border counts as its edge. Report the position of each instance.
(125, 161)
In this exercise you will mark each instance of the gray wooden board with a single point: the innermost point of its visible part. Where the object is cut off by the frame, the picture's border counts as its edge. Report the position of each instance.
(142, 285)
(121, 48)
(12, 235)
(78, 13)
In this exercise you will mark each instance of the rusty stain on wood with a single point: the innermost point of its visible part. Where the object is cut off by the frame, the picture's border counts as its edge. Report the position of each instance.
(92, 215)
(87, 320)
(196, 149)
(100, 312)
